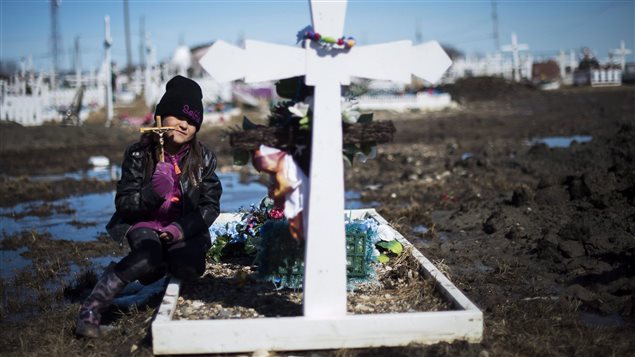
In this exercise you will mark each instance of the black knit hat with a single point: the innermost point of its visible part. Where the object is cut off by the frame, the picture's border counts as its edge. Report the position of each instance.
(182, 99)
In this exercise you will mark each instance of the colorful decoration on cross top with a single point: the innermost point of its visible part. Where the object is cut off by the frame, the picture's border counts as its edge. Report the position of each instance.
(326, 41)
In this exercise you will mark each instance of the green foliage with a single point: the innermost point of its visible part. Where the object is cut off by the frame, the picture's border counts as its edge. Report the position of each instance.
(215, 253)
(388, 249)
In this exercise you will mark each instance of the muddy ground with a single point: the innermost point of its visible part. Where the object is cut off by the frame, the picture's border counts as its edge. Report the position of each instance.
(541, 239)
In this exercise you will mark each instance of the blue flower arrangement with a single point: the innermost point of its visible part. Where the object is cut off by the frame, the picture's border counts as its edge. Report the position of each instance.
(263, 234)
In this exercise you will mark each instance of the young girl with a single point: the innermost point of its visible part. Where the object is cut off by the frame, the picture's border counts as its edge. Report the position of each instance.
(163, 209)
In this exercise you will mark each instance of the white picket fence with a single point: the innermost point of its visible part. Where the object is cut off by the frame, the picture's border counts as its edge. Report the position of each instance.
(598, 77)
(30, 110)
(25, 110)
(492, 65)
(606, 77)
(401, 103)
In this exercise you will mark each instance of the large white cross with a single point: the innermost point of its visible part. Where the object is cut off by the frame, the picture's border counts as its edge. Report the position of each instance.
(515, 48)
(622, 52)
(326, 70)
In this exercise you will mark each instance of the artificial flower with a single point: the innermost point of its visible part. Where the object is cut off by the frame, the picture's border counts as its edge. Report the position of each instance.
(300, 109)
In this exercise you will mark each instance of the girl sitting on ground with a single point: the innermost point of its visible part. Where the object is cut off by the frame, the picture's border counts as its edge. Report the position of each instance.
(163, 209)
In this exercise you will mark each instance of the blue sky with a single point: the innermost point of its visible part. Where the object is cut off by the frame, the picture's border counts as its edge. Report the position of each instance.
(546, 26)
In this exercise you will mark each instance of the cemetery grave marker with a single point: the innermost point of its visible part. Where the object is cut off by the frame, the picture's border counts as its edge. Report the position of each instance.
(515, 49)
(325, 323)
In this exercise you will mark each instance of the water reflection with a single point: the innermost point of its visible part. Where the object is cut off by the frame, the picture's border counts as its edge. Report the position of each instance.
(84, 217)
(92, 211)
(560, 141)
(102, 173)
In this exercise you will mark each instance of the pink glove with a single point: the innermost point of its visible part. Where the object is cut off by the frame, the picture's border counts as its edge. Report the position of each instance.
(171, 233)
(163, 179)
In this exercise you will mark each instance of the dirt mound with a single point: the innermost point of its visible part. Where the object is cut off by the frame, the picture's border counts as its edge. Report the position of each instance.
(487, 88)
(542, 239)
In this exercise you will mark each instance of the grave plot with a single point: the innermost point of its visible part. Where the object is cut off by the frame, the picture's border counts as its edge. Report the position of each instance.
(326, 322)
(232, 312)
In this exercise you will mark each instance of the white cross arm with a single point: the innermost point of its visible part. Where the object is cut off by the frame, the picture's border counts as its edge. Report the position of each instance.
(429, 61)
(621, 51)
(397, 61)
(259, 61)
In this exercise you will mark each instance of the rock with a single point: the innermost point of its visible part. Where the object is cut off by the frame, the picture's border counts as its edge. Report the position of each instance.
(600, 244)
(548, 250)
(522, 195)
(197, 303)
(493, 223)
(576, 231)
(516, 232)
(555, 195)
(546, 181)
(224, 314)
(577, 188)
(571, 249)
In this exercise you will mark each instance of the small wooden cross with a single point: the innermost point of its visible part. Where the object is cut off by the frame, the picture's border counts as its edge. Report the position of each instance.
(160, 130)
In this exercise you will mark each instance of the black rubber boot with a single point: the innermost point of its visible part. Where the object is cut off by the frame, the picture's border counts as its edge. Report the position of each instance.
(99, 299)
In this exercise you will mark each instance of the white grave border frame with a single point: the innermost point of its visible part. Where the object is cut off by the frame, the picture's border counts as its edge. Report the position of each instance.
(319, 333)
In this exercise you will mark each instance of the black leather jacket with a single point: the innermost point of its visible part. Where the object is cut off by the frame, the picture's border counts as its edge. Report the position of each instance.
(136, 199)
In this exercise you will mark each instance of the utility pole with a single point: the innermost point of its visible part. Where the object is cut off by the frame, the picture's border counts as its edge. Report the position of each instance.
(56, 39)
(418, 34)
(142, 38)
(126, 19)
(497, 45)
(77, 63)
(108, 60)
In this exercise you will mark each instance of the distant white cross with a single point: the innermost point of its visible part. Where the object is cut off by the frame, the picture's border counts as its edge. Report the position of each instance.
(326, 70)
(562, 62)
(573, 60)
(622, 52)
(515, 48)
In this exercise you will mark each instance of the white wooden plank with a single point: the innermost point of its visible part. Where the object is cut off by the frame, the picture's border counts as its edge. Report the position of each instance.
(224, 62)
(168, 304)
(302, 333)
(429, 61)
(448, 289)
(328, 17)
(386, 61)
(259, 61)
(270, 61)
(325, 268)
